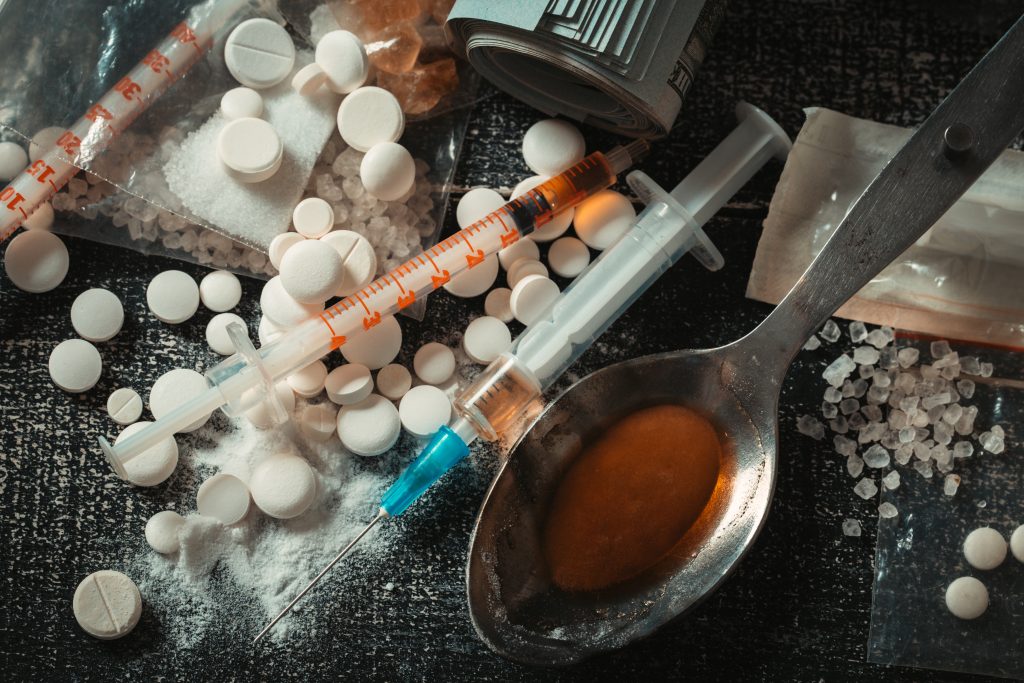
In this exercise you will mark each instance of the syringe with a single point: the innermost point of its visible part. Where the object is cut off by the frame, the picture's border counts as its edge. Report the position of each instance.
(669, 227)
(247, 378)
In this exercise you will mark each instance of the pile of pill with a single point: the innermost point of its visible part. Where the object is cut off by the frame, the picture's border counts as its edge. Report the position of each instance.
(984, 549)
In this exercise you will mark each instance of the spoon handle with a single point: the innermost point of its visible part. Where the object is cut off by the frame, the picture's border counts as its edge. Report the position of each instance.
(954, 146)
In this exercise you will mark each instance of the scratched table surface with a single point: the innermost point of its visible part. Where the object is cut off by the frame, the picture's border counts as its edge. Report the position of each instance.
(797, 608)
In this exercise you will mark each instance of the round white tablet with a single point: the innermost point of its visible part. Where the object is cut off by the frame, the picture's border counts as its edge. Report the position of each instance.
(520, 249)
(220, 291)
(309, 381)
(308, 79)
(552, 145)
(985, 548)
(531, 298)
(387, 171)
(41, 218)
(312, 271)
(13, 160)
(319, 422)
(107, 605)
(261, 417)
(250, 150)
(497, 304)
(124, 406)
(259, 53)
(241, 103)
(175, 388)
(281, 308)
(43, 141)
(217, 333)
(36, 261)
(97, 315)
(75, 366)
(268, 331)
(602, 219)
(434, 363)
(349, 383)
(523, 268)
(370, 427)
(476, 204)
(173, 296)
(358, 256)
(476, 280)
(568, 256)
(1017, 543)
(343, 58)
(554, 228)
(368, 116)
(223, 497)
(967, 598)
(281, 244)
(393, 381)
(424, 409)
(162, 531)
(485, 339)
(376, 347)
(283, 486)
(153, 465)
(313, 218)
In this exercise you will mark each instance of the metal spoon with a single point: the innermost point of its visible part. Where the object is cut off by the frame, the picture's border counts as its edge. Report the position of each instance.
(514, 607)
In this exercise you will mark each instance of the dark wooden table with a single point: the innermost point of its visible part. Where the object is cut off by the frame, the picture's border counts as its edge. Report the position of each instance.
(798, 607)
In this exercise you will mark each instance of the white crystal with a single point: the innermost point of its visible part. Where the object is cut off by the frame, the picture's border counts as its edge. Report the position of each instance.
(843, 445)
(866, 488)
(851, 527)
(810, 426)
(951, 484)
(876, 457)
(887, 511)
(854, 465)
(963, 449)
(857, 331)
(924, 468)
(877, 338)
(865, 355)
(830, 331)
(812, 343)
(839, 370)
(940, 348)
(833, 395)
(907, 356)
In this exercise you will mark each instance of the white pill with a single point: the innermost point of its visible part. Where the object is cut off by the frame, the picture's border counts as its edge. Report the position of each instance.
(283, 486)
(124, 406)
(524, 268)
(250, 150)
(155, 464)
(349, 383)
(36, 261)
(268, 331)
(13, 160)
(602, 219)
(308, 79)
(259, 53)
(75, 366)
(281, 308)
(393, 381)
(220, 291)
(1017, 543)
(554, 228)
(553, 145)
(424, 409)
(370, 427)
(312, 271)
(485, 339)
(97, 315)
(376, 347)
(162, 531)
(985, 548)
(217, 333)
(223, 497)
(967, 598)
(358, 256)
(531, 298)
(476, 280)
(477, 204)
(313, 218)
(261, 417)
(434, 363)
(41, 218)
(497, 304)
(568, 256)
(107, 605)
(309, 381)
(175, 388)
(173, 296)
(387, 171)
(241, 103)
(343, 58)
(368, 116)
(319, 421)
(520, 249)
(43, 141)
(281, 244)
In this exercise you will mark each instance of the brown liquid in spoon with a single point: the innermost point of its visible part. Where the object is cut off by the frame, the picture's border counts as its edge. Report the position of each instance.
(630, 497)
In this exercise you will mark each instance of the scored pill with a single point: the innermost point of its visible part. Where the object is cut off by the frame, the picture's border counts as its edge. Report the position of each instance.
(124, 406)
(107, 605)
(259, 53)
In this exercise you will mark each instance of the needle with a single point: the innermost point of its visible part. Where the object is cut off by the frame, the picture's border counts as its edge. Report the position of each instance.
(380, 515)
